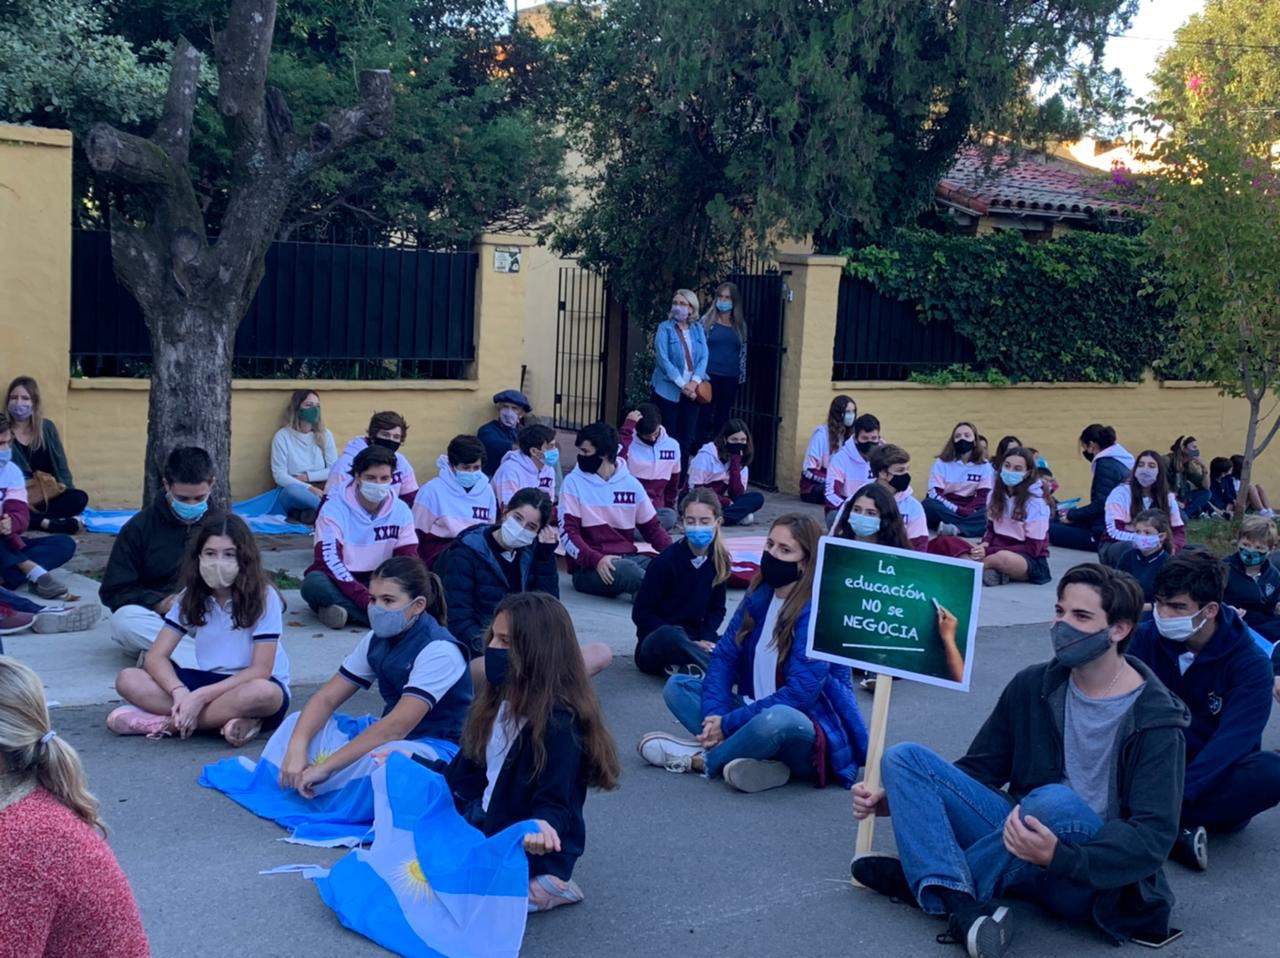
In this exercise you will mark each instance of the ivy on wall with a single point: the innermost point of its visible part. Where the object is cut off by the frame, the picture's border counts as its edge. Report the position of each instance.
(1082, 308)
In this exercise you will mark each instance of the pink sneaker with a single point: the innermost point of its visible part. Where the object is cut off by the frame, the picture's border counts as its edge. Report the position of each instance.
(11, 621)
(131, 720)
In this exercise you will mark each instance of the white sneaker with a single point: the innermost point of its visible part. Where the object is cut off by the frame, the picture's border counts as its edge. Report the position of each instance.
(663, 750)
(748, 520)
(756, 775)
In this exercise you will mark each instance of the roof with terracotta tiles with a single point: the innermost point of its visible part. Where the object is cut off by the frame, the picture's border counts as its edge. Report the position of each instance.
(1031, 184)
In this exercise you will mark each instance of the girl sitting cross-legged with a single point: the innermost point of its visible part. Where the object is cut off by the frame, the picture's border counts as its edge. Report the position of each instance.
(1016, 546)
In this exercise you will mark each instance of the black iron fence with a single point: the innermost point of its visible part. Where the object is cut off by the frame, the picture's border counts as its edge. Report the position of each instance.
(764, 291)
(582, 348)
(882, 338)
(323, 310)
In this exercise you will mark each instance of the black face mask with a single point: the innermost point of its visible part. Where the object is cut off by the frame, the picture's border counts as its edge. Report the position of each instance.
(778, 573)
(736, 448)
(496, 662)
(1088, 456)
(864, 447)
(385, 443)
(590, 464)
(900, 483)
(647, 440)
(963, 447)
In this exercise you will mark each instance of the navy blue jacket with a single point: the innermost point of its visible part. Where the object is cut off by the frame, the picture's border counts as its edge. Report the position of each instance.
(1227, 689)
(822, 691)
(1111, 467)
(675, 593)
(1143, 568)
(474, 582)
(498, 440)
(1256, 596)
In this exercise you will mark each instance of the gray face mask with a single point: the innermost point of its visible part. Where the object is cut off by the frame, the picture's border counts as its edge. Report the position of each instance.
(1074, 648)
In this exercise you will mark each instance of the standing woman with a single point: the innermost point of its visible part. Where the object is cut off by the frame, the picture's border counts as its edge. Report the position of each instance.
(825, 442)
(959, 484)
(1147, 488)
(302, 453)
(680, 367)
(726, 328)
(1016, 546)
(722, 466)
(55, 504)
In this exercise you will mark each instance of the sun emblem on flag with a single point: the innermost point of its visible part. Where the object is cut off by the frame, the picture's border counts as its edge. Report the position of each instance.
(413, 882)
(321, 757)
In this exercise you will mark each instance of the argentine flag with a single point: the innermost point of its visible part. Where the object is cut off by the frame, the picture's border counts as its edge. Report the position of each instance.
(431, 884)
(342, 811)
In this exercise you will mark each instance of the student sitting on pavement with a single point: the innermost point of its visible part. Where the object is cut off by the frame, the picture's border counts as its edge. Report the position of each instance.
(1002, 447)
(722, 466)
(848, 469)
(17, 614)
(959, 484)
(888, 466)
(501, 434)
(1189, 479)
(56, 504)
(139, 585)
(765, 710)
(1253, 583)
(1067, 797)
(1111, 464)
(1202, 650)
(358, 529)
(387, 430)
(1016, 545)
(1147, 488)
(681, 602)
(231, 610)
(653, 457)
(871, 515)
(22, 560)
(601, 507)
(823, 444)
(455, 500)
(302, 453)
(1151, 550)
(531, 465)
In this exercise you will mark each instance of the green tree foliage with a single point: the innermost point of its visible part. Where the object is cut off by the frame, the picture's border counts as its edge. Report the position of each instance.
(704, 124)
(1076, 309)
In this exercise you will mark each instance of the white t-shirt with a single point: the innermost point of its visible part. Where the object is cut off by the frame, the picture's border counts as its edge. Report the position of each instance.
(438, 666)
(221, 647)
(502, 736)
(764, 670)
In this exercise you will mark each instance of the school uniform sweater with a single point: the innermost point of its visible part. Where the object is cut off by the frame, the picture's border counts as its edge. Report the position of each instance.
(599, 517)
(13, 503)
(847, 472)
(817, 457)
(145, 558)
(656, 466)
(351, 543)
(962, 487)
(913, 518)
(443, 509)
(1256, 595)
(1027, 537)
(518, 471)
(1118, 517)
(679, 589)
(728, 480)
(404, 482)
(296, 453)
(1144, 568)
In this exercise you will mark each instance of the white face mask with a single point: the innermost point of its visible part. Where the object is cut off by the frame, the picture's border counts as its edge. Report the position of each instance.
(1146, 476)
(374, 491)
(515, 534)
(219, 573)
(1177, 628)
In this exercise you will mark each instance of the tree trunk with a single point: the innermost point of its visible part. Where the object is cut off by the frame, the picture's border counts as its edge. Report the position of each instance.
(1250, 441)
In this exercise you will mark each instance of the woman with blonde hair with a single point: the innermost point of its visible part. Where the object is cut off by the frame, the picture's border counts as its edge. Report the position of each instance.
(680, 370)
(725, 324)
(302, 454)
(63, 891)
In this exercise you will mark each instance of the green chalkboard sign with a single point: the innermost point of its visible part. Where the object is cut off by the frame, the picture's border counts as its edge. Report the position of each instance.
(897, 612)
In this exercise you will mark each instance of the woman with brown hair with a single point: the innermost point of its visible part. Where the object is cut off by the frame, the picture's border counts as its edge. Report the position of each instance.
(726, 327)
(535, 740)
(823, 444)
(302, 453)
(722, 465)
(758, 713)
(52, 498)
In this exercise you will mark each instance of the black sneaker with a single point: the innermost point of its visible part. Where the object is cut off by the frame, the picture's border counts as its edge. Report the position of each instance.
(1191, 848)
(883, 874)
(985, 930)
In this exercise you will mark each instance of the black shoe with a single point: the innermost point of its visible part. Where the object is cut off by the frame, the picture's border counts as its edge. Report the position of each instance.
(985, 930)
(883, 874)
(1191, 849)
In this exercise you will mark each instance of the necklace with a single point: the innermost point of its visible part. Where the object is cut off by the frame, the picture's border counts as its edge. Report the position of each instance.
(1112, 684)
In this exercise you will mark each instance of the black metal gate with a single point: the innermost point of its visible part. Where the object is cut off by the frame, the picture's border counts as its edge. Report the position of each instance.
(764, 292)
(581, 353)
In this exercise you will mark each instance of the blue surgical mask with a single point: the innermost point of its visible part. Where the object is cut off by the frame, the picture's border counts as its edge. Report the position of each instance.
(468, 480)
(724, 306)
(6, 456)
(700, 536)
(680, 313)
(1251, 557)
(189, 511)
(20, 410)
(388, 623)
(1011, 478)
(864, 526)
(551, 457)
(848, 419)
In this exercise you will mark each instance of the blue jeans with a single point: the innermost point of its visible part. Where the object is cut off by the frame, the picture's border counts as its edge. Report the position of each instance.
(1197, 503)
(669, 645)
(949, 828)
(935, 513)
(318, 590)
(1063, 535)
(298, 499)
(743, 506)
(48, 552)
(779, 732)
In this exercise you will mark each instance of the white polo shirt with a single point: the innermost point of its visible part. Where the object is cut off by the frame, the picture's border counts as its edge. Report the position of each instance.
(438, 666)
(222, 647)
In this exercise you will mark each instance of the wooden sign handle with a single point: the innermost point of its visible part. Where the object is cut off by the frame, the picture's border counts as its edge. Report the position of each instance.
(875, 749)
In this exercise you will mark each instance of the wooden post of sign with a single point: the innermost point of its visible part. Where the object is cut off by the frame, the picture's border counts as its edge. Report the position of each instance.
(875, 749)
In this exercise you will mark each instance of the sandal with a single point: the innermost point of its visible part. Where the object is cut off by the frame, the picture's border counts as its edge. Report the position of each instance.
(547, 892)
(241, 731)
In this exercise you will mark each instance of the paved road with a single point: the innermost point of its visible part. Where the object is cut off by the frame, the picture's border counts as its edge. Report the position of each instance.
(674, 866)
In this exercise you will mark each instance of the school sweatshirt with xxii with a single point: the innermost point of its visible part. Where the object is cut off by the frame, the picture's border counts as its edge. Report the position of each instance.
(599, 517)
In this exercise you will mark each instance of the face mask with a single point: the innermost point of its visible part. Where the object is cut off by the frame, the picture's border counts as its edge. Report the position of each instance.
(1075, 648)
(700, 536)
(1147, 544)
(551, 457)
(1192, 452)
(1012, 479)
(374, 491)
(388, 623)
(680, 313)
(385, 443)
(900, 483)
(515, 534)
(309, 414)
(1252, 557)
(864, 447)
(1088, 456)
(468, 480)
(724, 306)
(509, 418)
(736, 448)
(778, 573)
(496, 662)
(1178, 628)
(963, 446)
(864, 526)
(590, 464)
(6, 456)
(20, 410)
(849, 419)
(219, 573)
(189, 511)
(1146, 476)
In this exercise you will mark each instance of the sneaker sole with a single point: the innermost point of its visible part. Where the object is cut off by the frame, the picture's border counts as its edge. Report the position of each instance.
(1200, 850)
(753, 775)
(991, 937)
(77, 620)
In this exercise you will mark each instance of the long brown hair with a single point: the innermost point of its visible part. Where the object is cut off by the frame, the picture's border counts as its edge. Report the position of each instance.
(976, 457)
(892, 531)
(248, 591)
(37, 415)
(722, 441)
(704, 496)
(1000, 494)
(1159, 489)
(806, 531)
(739, 316)
(837, 432)
(545, 671)
(296, 400)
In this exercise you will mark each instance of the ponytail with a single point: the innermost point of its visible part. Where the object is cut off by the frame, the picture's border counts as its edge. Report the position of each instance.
(704, 496)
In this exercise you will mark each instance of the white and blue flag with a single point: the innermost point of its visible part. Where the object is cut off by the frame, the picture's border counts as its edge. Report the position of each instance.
(431, 885)
(341, 814)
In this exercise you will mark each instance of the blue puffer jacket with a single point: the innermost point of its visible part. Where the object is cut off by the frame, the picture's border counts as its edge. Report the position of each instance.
(822, 691)
(474, 582)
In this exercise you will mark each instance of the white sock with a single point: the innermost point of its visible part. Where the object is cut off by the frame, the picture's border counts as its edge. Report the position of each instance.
(36, 572)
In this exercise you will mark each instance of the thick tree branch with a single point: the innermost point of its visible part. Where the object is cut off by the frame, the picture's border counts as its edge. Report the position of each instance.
(130, 158)
(243, 52)
(173, 135)
(369, 119)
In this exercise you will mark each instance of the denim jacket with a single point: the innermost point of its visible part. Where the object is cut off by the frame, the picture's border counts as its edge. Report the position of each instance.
(669, 363)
